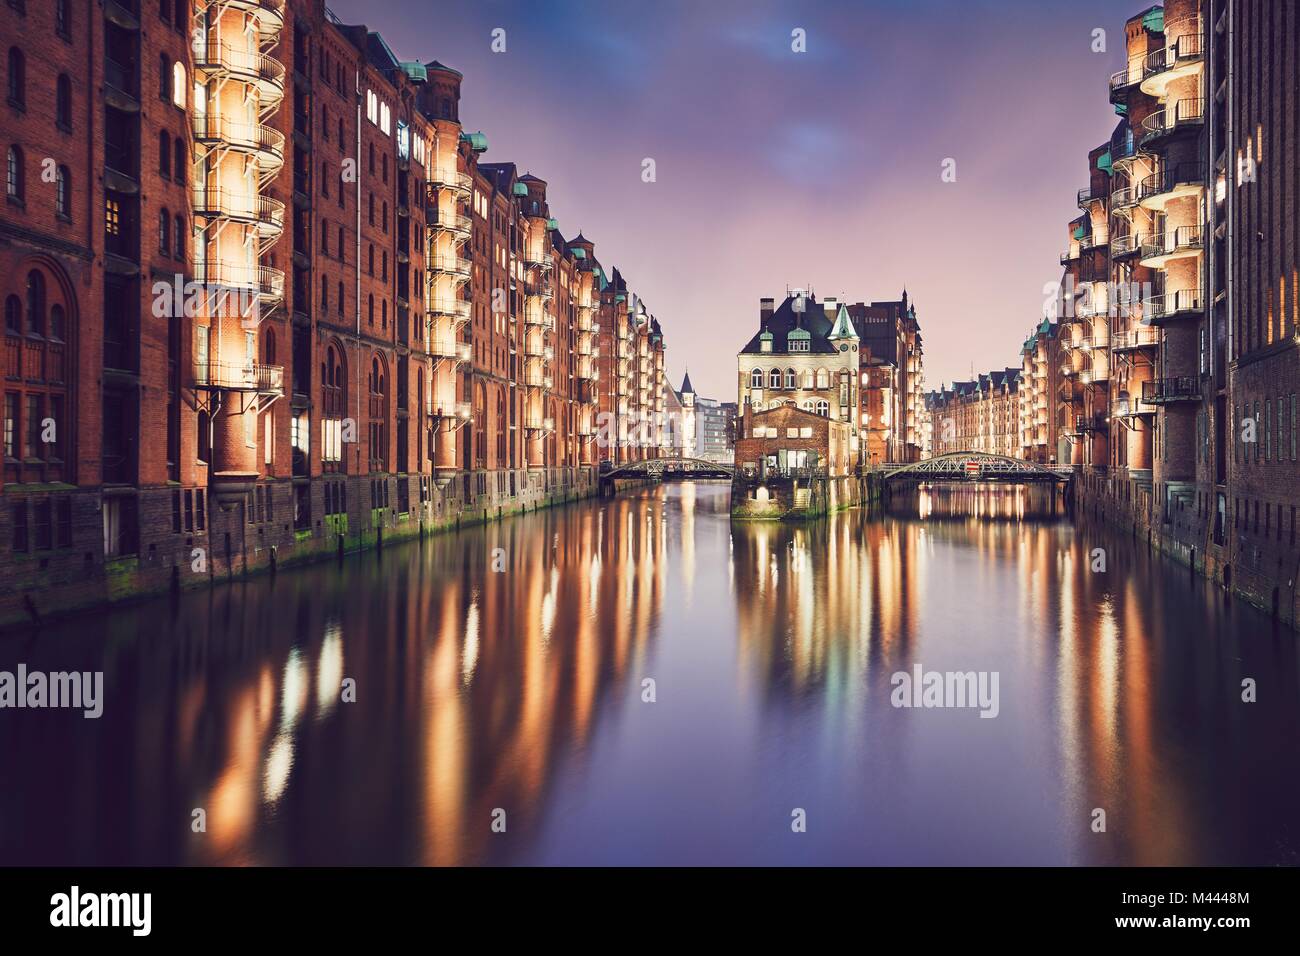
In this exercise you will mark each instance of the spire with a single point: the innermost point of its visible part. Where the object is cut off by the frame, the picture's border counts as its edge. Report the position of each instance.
(686, 384)
(843, 326)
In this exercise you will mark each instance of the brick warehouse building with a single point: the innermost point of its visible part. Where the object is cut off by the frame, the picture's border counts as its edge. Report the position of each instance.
(1173, 382)
(264, 299)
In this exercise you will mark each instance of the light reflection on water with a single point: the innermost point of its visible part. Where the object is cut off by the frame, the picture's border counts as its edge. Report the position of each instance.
(771, 649)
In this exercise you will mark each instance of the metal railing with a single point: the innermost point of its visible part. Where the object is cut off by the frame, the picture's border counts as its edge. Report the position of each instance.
(243, 206)
(249, 377)
(1173, 303)
(249, 65)
(1167, 180)
(1180, 239)
(1178, 388)
(267, 281)
(1184, 113)
(259, 138)
(451, 179)
(1137, 338)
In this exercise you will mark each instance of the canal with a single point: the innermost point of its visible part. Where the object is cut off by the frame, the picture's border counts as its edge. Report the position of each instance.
(498, 701)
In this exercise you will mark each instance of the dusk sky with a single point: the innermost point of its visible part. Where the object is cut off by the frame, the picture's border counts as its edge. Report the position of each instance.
(780, 170)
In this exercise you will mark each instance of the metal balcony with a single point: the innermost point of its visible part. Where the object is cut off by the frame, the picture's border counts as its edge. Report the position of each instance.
(457, 309)
(264, 143)
(444, 263)
(1183, 304)
(1157, 190)
(452, 349)
(456, 224)
(1123, 246)
(1182, 56)
(265, 281)
(1121, 80)
(1184, 241)
(268, 15)
(454, 180)
(218, 58)
(1186, 114)
(1163, 391)
(249, 377)
(244, 206)
(1137, 338)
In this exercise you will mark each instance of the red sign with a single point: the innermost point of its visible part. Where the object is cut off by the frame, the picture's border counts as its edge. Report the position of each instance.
(972, 467)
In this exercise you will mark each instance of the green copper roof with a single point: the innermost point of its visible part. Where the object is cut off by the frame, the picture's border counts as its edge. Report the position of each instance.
(843, 325)
(477, 141)
(765, 335)
(1155, 19)
(520, 189)
(579, 253)
(1121, 109)
(620, 297)
(1103, 161)
(416, 71)
(1078, 231)
(1044, 327)
(552, 224)
(796, 334)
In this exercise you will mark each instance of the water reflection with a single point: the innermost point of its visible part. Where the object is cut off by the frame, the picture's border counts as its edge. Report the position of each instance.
(381, 710)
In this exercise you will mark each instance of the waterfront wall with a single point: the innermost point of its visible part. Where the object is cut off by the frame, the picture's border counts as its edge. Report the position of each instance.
(189, 541)
(787, 498)
(1255, 562)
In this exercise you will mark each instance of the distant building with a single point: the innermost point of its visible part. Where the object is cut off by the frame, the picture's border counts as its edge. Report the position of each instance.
(785, 440)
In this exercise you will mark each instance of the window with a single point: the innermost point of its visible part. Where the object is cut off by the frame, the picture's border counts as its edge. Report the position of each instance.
(164, 77)
(182, 160)
(35, 303)
(17, 78)
(179, 85)
(63, 18)
(774, 378)
(62, 193)
(823, 408)
(790, 378)
(13, 315)
(14, 174)
(756, 378)
(164, 154)
(164, 232)
(823, 378)
(63, 103)
(178, 238)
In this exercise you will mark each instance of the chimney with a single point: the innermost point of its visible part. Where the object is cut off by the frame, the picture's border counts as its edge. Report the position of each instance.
(831, 304)
(765, 309)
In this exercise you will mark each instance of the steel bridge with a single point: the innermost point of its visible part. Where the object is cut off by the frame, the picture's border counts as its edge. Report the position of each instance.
(672, 468)
(976, 466)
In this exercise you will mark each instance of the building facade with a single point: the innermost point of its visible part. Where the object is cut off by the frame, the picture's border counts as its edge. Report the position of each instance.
(264, 298)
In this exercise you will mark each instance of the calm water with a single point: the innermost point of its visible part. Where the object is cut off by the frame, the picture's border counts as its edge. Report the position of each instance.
(771, 649)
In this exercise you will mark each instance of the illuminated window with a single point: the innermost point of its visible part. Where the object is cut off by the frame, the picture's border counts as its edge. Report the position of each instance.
(179, 84)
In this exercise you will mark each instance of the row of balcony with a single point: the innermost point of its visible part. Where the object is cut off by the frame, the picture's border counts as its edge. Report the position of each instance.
(248, 377)
(1154, 71)
(265, 281)
(446, 263)
(457, 224)
(457, 309)
(1183, 303)
(451, 349)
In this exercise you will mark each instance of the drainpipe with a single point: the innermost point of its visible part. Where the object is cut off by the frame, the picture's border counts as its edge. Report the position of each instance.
(357, 335)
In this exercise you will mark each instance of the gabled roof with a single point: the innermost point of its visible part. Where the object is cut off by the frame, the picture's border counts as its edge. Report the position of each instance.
(785, 320)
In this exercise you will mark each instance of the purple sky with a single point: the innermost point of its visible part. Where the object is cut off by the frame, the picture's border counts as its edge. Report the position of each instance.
(778, 169)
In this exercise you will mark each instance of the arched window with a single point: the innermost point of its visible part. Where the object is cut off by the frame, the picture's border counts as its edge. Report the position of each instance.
(268, 346)
(164, 154)
(378, 416)
(823, 407)
(164, 77)
(35, 303)
(63, 18)
(178, 238)
(164, 232)
(38, 434)
(823, 378)
(341, 300)
(13, 315)
(182, 160)
(17, 77)
(806, 378)
(63, 192)
(370, 309)
(790, 378)
(14, 173)
(324, 293)
(383, 308)
(179, 85)
(774, 378)
(756, 378)
(63, 102)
